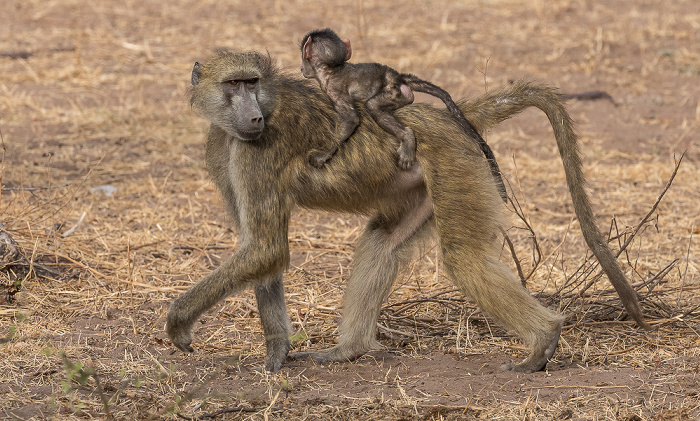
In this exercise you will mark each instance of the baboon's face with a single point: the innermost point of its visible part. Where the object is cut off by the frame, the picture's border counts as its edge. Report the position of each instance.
(228, 91)
(242, 116)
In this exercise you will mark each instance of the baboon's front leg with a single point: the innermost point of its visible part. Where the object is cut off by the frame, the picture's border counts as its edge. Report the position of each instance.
(275, 322)
(188, 307)
(249, 266)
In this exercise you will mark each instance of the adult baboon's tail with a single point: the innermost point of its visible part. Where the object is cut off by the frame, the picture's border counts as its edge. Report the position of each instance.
(496, 106)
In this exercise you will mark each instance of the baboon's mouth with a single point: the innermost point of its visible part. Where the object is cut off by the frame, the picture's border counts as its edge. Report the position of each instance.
(249, 136)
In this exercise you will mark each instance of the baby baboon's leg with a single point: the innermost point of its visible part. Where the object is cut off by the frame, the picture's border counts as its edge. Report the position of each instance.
(376, 262)
(348, 120)
(275, 322)
(382, 107)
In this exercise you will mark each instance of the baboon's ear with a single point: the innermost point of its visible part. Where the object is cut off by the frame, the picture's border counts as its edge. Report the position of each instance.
(349, 48)
(306, 51)
(196, 73)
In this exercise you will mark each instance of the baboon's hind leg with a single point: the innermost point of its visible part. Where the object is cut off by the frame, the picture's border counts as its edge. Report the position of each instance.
(375, 266)
(498, 293)
(468, 217)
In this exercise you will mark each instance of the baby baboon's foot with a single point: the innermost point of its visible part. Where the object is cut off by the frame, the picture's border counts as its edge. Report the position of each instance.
(407, 149)
(335, 354)
(277, 351)
(318, 159)
(406, 159)
(541, 353)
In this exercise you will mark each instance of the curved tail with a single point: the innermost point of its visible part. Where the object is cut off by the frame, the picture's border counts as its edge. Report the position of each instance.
(420, 85)
(496, 106)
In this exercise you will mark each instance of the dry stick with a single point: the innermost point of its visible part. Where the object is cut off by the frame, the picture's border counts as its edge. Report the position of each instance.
(659, 305)
(486, 69)
(103, 276)
(653, 208)
(658, 277)
(685, 271)
(515, 259)
(538, 258)
(33, 188)
(652, 282)
(412, 303)
(644, 220)
(2, 162)
(77, 224)
(130, 266)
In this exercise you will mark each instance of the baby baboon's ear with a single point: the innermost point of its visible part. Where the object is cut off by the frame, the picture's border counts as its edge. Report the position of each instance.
(349, 48)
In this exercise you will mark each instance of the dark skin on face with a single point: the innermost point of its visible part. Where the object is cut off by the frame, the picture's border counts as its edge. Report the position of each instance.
(382, 89)
(448, 193)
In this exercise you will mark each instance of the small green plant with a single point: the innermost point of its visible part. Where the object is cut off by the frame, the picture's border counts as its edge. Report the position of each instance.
(10, 336)
(77, 372)
(300, 335)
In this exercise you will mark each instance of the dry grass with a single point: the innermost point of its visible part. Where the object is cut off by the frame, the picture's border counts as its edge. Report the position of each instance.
(92, 94)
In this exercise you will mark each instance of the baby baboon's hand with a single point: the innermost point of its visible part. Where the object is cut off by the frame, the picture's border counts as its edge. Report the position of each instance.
(318, 159)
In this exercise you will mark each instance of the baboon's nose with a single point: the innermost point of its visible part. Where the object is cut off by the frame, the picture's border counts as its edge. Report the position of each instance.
(257, 122)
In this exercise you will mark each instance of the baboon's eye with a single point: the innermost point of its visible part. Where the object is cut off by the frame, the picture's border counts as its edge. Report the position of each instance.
(252, 82)
(233, 82)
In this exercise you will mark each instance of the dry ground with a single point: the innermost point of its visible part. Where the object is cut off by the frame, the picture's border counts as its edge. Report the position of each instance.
(92, 93)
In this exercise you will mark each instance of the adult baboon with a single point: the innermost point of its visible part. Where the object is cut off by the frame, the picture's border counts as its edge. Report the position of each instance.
(264, 123)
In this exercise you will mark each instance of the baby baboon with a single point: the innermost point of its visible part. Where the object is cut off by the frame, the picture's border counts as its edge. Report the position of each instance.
(324, 57)
(264, 123)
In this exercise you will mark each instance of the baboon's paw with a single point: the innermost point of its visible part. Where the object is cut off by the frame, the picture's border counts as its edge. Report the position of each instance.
(183, 345)
(540, 355)
(276, 355)
(181, 338)
(272, 366)
(405, 163)
(525, 367)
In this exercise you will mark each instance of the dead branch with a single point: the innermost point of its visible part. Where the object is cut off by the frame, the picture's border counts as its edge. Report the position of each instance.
(639, 226)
